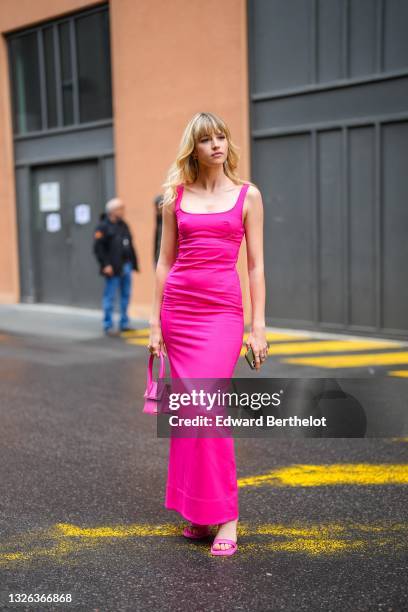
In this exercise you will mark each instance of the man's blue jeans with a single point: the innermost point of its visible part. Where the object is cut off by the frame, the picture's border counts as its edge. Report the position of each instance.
(123, 283)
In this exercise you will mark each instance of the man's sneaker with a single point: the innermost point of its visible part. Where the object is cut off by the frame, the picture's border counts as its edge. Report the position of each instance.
(112, 333)
(127, 329)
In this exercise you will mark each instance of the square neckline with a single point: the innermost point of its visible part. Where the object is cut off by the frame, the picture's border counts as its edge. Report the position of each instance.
(216, 212)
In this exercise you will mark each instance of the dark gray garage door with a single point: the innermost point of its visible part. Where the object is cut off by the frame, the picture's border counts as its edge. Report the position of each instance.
(329, 128)
(66, 207)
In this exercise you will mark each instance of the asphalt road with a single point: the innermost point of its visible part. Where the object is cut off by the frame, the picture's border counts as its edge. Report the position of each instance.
(323, 522)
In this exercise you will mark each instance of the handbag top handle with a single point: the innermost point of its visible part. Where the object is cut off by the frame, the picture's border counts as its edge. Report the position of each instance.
(150, 368)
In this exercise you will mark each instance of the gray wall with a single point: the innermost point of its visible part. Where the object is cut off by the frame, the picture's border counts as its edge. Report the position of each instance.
(329, 129)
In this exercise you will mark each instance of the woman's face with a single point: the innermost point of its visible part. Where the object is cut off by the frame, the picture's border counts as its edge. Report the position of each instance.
(212, 150)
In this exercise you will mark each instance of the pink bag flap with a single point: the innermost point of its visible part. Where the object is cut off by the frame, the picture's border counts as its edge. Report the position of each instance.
(151, 393)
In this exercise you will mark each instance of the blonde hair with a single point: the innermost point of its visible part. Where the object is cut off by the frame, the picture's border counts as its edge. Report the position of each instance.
(185, 168)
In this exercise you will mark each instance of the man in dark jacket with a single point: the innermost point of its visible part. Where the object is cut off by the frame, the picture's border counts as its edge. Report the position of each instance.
(114, 250)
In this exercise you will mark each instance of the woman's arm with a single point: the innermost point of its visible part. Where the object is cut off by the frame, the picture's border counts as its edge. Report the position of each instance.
(167, 256)
(253, 224)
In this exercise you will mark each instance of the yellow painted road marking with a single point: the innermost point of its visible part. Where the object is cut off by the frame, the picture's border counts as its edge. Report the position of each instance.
(140, 341)
(320, 347)
(117, 531)
(274, 349)
(136, 332)
(141, 337)
(332, 474)
(296, 343)
(326, 346)
(277, 336)
(63, 542)
(350, 361)
(335, 538)
(401, 373)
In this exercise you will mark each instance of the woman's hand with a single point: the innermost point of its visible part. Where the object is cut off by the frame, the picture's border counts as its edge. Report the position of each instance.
(156, 343)
(257, 340)
(108, 270)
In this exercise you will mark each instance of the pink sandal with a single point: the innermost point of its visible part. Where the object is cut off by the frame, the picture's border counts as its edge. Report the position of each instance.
(226, 551)
(204, 532)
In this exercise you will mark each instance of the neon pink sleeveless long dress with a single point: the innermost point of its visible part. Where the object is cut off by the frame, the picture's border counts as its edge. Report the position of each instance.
(202, 325)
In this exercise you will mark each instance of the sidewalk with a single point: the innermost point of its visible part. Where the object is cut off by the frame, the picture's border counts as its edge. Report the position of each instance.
(55, 321)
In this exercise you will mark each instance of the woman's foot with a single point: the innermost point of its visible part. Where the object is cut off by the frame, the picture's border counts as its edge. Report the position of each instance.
(226, 530)
(196, 531)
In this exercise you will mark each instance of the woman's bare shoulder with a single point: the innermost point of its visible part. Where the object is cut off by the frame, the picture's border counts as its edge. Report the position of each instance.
(253, 192)
(253, 201)
(254, 198)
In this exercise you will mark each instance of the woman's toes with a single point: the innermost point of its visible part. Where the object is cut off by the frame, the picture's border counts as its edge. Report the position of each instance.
(222, 546)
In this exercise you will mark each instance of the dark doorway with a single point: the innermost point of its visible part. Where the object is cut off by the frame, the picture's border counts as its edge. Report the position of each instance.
(67, 201)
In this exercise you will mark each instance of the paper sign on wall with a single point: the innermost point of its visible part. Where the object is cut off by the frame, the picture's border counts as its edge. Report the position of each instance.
(53, 222)
(82, 213)
(49, 196)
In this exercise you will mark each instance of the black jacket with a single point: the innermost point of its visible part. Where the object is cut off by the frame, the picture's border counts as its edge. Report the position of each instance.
(113, 245)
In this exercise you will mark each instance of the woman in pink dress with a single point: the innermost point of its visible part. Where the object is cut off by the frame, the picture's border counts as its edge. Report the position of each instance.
(197, 316)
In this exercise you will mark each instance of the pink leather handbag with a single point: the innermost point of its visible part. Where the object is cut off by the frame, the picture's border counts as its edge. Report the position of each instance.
(151, 394)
